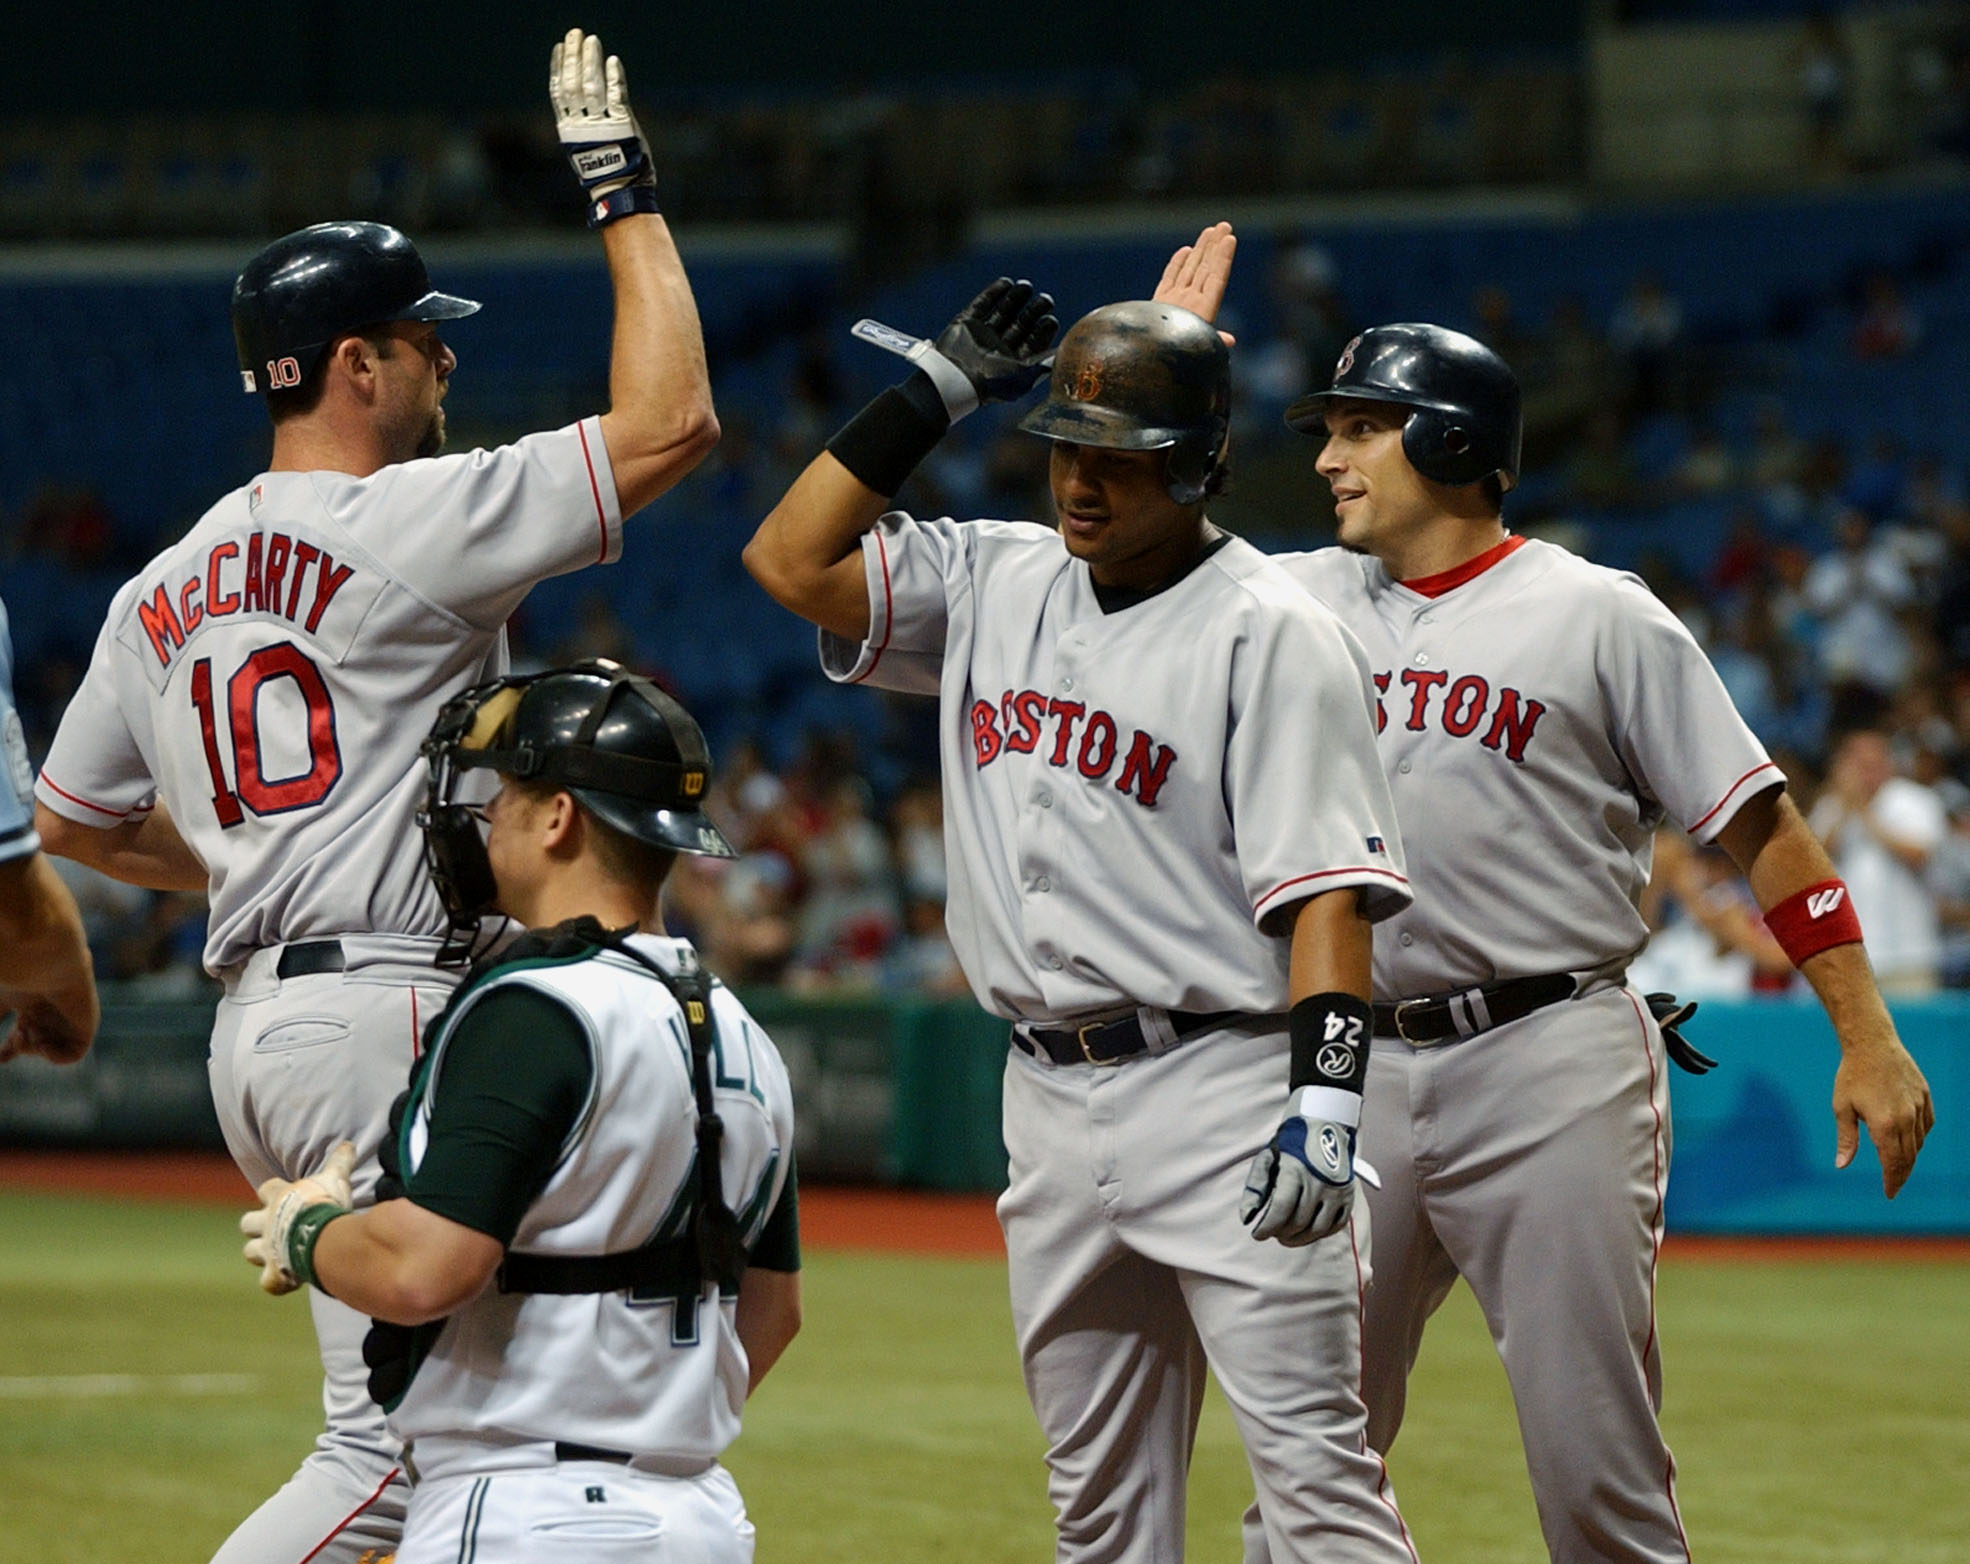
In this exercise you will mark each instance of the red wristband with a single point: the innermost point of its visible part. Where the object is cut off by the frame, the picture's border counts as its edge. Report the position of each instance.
(1815, 919)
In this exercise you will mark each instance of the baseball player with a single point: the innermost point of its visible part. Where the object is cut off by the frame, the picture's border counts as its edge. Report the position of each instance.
(47, 979)
(1134, 709)
(249, 724)
(1539, 716)
(589, 1250)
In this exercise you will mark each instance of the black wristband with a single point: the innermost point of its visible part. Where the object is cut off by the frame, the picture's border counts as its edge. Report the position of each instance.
(639, 197)
(1330, 1035)
(882, 444)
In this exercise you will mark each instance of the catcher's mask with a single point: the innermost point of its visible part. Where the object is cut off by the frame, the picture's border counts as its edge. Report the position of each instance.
(628, 754)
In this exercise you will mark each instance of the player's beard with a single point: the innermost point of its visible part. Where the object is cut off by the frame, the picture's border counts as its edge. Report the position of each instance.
(432, 440)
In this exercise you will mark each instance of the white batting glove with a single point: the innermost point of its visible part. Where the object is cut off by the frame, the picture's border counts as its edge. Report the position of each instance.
(592, 116)
(270, 1230)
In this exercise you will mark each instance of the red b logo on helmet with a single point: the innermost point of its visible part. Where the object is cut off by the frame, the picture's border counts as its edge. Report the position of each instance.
(1347, 360)
(1087, 382)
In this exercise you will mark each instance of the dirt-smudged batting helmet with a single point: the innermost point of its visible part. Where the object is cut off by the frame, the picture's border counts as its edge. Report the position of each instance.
(628, 753)
(304, 290)
(1466, 425)
(1143, 376)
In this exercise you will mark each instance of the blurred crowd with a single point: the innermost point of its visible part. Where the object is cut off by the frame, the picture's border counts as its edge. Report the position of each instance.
(1832, 592)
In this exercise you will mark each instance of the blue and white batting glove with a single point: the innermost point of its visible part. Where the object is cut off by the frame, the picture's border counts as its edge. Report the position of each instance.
(605, 145)
(1300, 1188)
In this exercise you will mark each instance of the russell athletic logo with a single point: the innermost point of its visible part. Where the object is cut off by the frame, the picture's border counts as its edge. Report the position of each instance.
(1820, 903)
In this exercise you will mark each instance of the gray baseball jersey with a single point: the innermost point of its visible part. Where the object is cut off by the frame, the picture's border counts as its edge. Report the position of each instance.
(17, 838)
(1129, 796)
(1537, 723)
(271, 674)
(1136, 795)
(1539, 716)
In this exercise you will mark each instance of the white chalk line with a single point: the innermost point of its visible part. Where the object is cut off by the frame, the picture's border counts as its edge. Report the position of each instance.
(29, 1387)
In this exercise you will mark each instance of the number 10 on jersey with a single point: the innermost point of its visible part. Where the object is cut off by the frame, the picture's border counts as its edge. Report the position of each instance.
(252, 787)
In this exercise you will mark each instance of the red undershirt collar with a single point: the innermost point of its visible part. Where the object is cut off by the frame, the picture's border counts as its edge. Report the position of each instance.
(1457, 575)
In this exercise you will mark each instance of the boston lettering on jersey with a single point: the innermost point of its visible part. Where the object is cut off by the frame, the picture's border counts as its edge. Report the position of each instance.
(271, 574)
(1462, 706)
(1019, 723)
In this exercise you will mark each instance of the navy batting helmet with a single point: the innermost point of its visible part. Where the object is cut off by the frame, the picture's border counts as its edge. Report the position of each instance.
(303, 291)
(1466, 425)
(1142, 376)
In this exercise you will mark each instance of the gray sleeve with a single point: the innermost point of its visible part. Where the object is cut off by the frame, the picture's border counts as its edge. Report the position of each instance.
(910, 566)
(1674, 726)
(473, 533)
(17, 838)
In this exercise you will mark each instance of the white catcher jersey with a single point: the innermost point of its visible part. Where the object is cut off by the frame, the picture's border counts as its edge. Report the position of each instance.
(1537, 723)
(656, 1376)
(1129, 796)
(271, 675)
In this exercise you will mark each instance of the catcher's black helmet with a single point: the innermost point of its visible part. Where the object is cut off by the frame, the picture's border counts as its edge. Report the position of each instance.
(629, 754)
(1466, 426)
(1143, 376)
(303, 291)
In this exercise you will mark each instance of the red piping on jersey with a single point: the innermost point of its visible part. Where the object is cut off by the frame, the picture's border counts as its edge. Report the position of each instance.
(888, 612)
(1444, 580)
(342, 1525)
(1326, 874)
(114, 814)
(1655, 1258)
(1360, 1377)
(1731, 792)
(594, 488)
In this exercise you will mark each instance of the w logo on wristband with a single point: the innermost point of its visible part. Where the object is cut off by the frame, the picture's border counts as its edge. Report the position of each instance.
(1820, 903)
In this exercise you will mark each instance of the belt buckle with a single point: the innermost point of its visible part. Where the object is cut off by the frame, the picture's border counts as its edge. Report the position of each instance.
(1081, 1037)
(1402, 1031)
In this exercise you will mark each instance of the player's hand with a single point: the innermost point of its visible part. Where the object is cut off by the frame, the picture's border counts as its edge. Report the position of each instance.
(1301, 1187)
(1670, 1016)
(999, 340)
(1879, 1083)
(592, 116)
(44, 1028)
(269, 1228)
(1197, 274)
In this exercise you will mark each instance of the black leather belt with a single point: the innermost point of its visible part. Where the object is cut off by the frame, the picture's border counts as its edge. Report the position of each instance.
(1110, 1042)
(564, 1451)
(1472, 1010)
(309, 958)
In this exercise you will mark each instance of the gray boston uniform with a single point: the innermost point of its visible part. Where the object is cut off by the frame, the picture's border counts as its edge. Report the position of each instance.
(270, 677)
(1130, 798)
(1537, 722)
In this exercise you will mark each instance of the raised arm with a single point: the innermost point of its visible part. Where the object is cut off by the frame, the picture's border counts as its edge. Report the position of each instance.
(1877, 1082)
(807, 552)
(660, 422)
(1196, 275)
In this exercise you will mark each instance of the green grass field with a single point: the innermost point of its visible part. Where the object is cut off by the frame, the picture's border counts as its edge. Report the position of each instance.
(150, 1395)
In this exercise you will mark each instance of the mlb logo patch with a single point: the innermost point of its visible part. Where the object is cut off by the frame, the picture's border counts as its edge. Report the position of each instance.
(255, 496)
(1376, 845)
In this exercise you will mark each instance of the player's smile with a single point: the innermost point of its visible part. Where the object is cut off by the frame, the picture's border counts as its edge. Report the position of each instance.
(1115, 512)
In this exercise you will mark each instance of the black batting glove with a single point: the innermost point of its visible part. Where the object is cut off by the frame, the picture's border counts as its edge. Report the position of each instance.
(1669, 1016)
